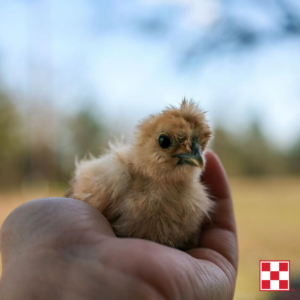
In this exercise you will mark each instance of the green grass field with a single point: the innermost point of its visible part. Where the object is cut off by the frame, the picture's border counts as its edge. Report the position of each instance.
(267, 213)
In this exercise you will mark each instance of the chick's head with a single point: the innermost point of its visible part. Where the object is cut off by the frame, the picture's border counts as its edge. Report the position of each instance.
(172, 141)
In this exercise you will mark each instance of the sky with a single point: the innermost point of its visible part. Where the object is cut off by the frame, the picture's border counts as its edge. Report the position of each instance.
(118, 58)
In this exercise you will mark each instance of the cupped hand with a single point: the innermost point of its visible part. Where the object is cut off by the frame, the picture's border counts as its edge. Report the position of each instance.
(61, 248)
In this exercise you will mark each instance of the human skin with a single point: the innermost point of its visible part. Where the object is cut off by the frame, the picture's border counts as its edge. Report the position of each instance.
(61, 248)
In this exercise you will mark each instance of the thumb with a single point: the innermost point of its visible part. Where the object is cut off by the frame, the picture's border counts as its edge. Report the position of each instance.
(51, 223)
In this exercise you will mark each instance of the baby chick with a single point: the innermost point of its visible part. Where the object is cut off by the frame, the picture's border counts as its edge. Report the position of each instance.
(151, 188)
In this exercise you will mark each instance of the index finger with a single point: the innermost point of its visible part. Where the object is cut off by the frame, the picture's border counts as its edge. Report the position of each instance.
(219, 233)
(215, 179)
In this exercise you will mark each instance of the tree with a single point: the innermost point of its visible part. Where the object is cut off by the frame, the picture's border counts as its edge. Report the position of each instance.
(10, 140)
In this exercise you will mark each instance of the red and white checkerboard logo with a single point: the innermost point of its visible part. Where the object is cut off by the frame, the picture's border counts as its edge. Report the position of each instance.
(274, 275)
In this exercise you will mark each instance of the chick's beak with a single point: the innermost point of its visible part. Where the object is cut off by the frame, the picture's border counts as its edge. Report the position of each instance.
(195, 157)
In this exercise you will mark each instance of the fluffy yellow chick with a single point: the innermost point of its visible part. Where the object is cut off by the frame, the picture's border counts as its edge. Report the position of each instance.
(151, 188)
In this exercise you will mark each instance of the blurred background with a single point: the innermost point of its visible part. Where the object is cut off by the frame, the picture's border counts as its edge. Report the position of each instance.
(74, 74)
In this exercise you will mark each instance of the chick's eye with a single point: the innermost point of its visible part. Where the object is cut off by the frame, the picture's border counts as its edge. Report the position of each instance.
(164, 141)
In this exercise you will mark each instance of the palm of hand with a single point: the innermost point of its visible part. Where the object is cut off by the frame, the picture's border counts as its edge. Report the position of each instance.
(173, 274)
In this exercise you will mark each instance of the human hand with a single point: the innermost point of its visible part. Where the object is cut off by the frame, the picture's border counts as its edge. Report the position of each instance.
(61, 248)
